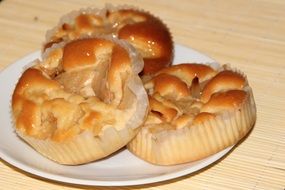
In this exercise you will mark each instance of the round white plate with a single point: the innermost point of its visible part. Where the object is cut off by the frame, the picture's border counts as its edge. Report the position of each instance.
(121, 169)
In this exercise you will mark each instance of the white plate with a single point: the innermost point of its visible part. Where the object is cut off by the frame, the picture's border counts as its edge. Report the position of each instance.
(120, 169)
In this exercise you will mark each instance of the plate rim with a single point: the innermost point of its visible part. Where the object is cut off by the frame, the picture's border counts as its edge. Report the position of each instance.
(89, 182)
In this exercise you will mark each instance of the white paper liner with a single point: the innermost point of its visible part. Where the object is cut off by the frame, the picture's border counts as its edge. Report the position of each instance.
(83, 148)
(69, 18)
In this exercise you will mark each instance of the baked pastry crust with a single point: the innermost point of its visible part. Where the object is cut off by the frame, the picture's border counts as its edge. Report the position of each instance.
(195, 111)
(147, 33)
(83, 102)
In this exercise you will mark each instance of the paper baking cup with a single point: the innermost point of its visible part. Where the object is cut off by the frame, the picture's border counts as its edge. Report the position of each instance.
(83, 148)
(70, 17)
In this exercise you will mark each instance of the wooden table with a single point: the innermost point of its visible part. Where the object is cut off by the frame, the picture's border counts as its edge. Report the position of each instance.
(248, 34)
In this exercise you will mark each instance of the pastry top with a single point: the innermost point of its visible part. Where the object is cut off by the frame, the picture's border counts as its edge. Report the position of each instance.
(147, 33)
(87, 84)
(186, 94)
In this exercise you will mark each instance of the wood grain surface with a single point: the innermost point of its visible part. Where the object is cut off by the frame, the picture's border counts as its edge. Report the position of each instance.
(249, 35)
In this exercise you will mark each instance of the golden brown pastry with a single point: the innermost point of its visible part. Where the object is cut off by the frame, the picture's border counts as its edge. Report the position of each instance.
(145, 32)
(195, 111)
(83, 102)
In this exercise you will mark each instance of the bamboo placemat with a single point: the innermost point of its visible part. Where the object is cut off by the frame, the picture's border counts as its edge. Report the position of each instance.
(248, 34)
